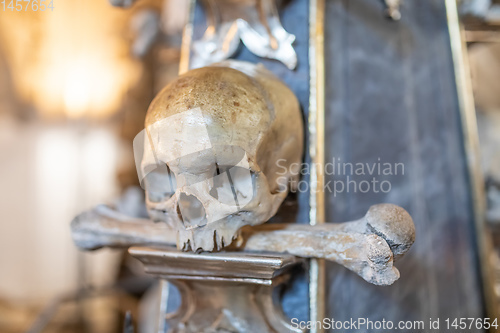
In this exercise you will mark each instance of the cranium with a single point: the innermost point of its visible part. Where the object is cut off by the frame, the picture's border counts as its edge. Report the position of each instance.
(220, 147)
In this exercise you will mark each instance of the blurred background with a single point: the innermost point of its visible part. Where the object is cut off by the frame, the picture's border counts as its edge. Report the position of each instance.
(75, 84)
(482, 35)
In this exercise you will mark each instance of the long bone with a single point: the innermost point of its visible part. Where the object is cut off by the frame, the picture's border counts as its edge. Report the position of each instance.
(368, 246)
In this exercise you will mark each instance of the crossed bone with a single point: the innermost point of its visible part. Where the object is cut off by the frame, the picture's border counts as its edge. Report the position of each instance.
(368, 246)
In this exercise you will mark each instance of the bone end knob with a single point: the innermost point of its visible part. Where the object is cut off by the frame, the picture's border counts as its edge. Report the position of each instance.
(393, 224)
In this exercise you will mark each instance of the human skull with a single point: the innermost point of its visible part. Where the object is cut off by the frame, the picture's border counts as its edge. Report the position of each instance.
(221, 148)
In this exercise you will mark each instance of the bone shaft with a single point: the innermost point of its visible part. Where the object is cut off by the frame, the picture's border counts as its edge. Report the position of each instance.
(367, 255)
(358, 226)
(335, 246)
(93, 230)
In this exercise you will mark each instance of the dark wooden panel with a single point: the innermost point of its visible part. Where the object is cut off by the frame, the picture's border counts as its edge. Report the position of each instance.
(391, 98)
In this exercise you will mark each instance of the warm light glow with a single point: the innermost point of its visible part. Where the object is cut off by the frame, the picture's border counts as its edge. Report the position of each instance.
(73, 60)
(77, 93)
(90, 85)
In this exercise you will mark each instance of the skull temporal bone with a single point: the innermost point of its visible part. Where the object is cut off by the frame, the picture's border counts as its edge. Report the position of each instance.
(233, 122)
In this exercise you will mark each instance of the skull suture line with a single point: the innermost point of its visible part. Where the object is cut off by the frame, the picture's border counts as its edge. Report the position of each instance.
(210, 152)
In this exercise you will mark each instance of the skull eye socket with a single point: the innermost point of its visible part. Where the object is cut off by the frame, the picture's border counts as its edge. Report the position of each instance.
(160, 183)
(233, 186)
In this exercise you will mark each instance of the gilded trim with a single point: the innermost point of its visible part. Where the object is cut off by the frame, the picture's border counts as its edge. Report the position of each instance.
(317, 152)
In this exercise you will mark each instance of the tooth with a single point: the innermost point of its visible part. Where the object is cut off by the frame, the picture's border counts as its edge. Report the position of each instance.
(217, 245)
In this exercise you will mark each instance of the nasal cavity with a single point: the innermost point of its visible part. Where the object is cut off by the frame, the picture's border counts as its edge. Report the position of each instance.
(191, 211)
